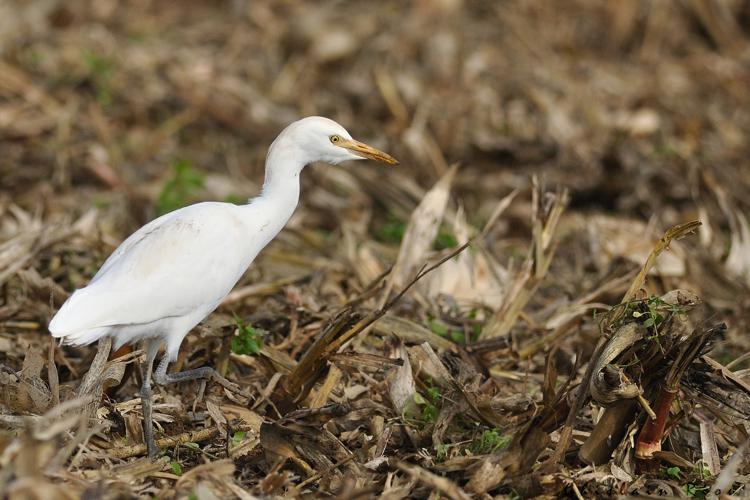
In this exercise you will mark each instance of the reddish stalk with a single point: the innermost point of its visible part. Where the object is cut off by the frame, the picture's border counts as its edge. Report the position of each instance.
(652, 434)
(650, 438)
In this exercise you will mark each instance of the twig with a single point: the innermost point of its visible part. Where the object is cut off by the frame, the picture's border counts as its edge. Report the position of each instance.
(332, 340)
(379, 313)
(185, 437)
(322, 473)
(673, 233)
(646, 407)
(443, 484)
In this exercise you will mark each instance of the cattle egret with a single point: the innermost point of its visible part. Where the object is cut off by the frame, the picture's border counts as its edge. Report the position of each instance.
(174, 271)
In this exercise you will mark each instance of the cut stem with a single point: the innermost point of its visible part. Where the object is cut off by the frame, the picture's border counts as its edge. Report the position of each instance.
(649, 440)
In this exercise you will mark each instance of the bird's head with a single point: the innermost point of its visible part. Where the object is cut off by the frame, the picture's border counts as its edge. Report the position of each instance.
(320, 139)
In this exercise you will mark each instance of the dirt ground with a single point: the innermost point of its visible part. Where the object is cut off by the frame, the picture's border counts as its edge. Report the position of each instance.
(575, 348)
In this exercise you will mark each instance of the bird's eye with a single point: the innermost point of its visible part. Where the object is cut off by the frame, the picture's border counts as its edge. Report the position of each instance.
(335, 139)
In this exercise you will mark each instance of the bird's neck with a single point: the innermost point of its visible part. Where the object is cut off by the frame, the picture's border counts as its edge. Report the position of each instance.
(281, 185)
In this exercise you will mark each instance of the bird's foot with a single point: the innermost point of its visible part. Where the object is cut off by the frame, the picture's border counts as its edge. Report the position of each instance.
(230, 386)
(205, 372)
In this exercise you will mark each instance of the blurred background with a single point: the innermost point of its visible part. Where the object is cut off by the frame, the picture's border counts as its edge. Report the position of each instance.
(639, 108)
(113, 112)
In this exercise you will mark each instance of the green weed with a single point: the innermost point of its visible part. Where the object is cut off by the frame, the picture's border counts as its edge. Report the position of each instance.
(392, 230)
(695, 484)
(102, 71)
(176, 467)
(427, 408)
(673, 473)
(235, 199)
(248, 339)
(441, 451)
(439, 328)
(444, 239)
(491, 441)
(238, 437)
(181, 186)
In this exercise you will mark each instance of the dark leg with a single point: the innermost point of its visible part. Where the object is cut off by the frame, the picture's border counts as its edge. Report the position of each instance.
(152, 347)
(161, 376)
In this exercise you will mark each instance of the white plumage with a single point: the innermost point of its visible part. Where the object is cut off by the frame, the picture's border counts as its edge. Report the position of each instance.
(171, 273)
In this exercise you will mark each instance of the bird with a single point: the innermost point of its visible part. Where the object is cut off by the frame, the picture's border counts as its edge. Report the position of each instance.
(174, 271)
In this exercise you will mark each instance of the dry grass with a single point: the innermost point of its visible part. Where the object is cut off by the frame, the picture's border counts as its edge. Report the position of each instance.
(514, 368)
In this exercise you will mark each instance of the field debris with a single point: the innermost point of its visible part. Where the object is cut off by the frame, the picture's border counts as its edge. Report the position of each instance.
(547, 298)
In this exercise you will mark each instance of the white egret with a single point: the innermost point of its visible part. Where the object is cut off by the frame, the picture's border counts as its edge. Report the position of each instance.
(174, 271)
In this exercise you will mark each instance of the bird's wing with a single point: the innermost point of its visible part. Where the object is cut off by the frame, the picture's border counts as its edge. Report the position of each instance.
(132, 241)
(190, 259)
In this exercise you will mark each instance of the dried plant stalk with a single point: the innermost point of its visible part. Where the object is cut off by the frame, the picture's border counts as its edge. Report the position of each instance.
(652, 434)
(673, 233)
(601, 443)
(343, 328)
(536, 265)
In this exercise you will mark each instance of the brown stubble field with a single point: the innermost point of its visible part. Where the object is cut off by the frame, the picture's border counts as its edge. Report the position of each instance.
(590, 341)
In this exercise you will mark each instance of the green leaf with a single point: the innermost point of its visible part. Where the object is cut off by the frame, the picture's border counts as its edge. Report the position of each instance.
(433, 393)
(176, 467)
(429, 413)
(184, 182)
(490, 441)
(235, 199)
(674, 472)
(392, 231)
(247, 339)
(444, 239)
(442, 451)
(438, 328)
(237, 437)
(458, 337)
(476, 331)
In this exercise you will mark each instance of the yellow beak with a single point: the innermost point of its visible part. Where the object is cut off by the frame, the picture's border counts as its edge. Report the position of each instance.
(365, 151)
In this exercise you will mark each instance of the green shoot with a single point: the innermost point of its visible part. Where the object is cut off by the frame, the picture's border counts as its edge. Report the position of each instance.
(237, 437)
(428, 413)
(439, 328)
(178, 190)
(444, 239)
(427, 409)
(176, 467)
(673, 473)
(392, 230)
(441, 451)
(102, 72)
(235, 199)
(491, 441)
(247, 340)
(695, 484)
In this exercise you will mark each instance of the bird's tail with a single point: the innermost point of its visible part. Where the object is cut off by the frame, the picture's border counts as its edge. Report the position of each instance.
(70, 326)
(83, 337)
